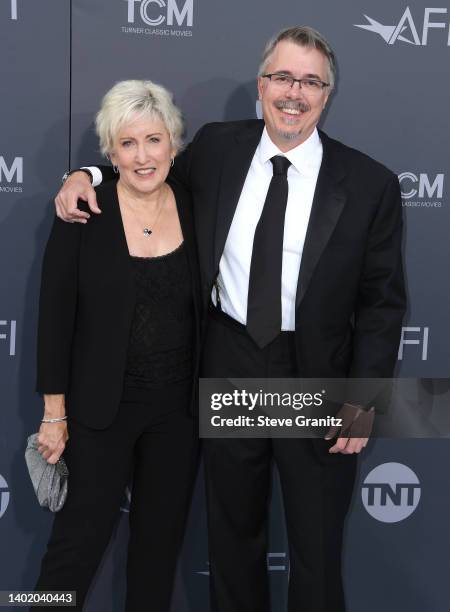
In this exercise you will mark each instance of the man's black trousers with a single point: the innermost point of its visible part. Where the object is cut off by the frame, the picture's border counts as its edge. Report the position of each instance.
(316, 487)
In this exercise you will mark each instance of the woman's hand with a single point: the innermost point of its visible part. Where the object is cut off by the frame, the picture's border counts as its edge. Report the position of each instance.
(52, 440)
(52, 437)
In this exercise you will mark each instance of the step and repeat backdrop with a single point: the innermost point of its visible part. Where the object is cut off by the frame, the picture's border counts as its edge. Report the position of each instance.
(57, 59)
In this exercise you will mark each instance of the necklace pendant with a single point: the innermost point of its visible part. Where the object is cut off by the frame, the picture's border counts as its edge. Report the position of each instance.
(147, 232)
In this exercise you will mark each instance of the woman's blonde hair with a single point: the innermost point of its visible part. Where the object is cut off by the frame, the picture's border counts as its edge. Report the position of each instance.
(128, 100)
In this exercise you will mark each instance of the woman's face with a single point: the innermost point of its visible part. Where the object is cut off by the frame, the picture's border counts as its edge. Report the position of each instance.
(143, 152)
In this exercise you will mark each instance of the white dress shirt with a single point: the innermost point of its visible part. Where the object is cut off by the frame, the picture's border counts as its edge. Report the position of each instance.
(234, 267)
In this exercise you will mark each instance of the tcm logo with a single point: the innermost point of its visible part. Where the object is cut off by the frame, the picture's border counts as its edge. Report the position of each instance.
(406, 30)
(276, 562)
(11, 172)
(4, 496)
(422, 185)
(155, 12)
(421, 190)
(9, 334)
(391, 492)
(414, 336)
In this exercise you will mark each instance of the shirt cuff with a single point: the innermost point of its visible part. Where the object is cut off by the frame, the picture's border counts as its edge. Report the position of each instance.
(97, 176)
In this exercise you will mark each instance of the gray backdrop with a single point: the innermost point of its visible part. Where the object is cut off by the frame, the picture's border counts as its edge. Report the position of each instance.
(57, 58)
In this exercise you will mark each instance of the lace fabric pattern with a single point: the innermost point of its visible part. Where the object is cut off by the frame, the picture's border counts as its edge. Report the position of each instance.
(160, 345)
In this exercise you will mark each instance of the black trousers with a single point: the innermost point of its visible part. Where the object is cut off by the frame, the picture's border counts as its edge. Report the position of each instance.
(155, 441)
(316, 486)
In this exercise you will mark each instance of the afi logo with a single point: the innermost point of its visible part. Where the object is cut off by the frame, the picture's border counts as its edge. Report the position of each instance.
(9, 336)
(419, 338)
(4, 496)
(14, 10)
(391, 492)
(151, 13)
(426, 186)
(405, 30)
(12, 171)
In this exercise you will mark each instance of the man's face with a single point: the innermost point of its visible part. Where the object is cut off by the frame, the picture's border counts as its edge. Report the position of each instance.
(292, 114)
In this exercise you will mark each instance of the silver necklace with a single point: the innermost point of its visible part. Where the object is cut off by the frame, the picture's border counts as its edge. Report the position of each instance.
(146, 230)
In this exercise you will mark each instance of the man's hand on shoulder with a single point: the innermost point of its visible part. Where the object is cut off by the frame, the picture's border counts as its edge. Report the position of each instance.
(77, 187)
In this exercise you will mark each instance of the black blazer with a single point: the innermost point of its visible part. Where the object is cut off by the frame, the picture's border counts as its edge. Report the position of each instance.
(350, 294)
(87, 304)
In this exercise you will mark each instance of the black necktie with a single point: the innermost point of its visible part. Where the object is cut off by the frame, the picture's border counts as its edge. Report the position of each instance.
(264, 288)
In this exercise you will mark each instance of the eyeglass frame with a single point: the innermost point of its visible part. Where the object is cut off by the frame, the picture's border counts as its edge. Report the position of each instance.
(294, 80)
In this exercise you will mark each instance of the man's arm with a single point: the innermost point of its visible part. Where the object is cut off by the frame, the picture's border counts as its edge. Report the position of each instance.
(378, 320)
(381, 301)
(78, 186)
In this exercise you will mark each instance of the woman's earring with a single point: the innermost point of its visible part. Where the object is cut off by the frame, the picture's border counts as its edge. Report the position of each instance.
(116, 169)
(172, 162)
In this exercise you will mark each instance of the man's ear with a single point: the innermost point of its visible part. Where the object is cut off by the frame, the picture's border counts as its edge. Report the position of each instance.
(260, 85)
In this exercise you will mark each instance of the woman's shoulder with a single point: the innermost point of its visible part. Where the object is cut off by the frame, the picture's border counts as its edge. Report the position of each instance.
(182, 195)
(106, 194)
(108, 204)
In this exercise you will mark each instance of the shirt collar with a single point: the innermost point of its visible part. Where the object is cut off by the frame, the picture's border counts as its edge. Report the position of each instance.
(305, 158)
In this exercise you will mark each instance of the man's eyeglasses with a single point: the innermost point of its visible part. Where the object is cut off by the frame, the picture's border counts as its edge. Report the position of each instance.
(285, 82)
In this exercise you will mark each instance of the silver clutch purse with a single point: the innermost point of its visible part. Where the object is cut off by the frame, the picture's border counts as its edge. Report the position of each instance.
(49, 481)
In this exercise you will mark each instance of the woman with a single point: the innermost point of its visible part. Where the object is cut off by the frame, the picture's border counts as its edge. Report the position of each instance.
(117, 346)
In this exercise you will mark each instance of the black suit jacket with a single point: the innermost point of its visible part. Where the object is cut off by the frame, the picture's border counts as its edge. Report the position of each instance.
(87, 304)
(350, 295)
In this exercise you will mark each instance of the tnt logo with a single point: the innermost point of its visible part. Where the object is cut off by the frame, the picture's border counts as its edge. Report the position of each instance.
(406, 30)
(4, 496)
(9, 336)
(391, 492)
(416, 336)
(422, 185)
(12, 172)
(156, 12)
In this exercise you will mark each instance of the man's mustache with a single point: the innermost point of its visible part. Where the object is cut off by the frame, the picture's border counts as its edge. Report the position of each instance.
(296, 105)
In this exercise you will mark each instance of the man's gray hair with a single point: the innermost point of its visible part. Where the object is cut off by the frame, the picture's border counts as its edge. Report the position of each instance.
(304, 36)
(128, 100)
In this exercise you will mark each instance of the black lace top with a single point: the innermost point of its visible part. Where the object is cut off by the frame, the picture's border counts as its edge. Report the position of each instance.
(160, 346)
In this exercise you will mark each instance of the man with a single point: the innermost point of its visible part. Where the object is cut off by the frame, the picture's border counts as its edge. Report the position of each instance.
(299, 243)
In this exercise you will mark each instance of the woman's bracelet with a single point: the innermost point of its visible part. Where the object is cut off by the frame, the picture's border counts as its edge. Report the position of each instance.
(58, 420)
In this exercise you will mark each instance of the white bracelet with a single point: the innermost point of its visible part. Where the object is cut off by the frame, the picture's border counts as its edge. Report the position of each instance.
(58, 420)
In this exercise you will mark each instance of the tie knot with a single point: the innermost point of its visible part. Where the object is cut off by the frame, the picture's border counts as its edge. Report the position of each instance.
(280, 165)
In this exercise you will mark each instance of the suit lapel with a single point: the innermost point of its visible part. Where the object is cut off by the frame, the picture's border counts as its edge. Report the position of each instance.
(238, 158)
(328, 203)
(184, 208)
(112, 243)
(116, 228)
